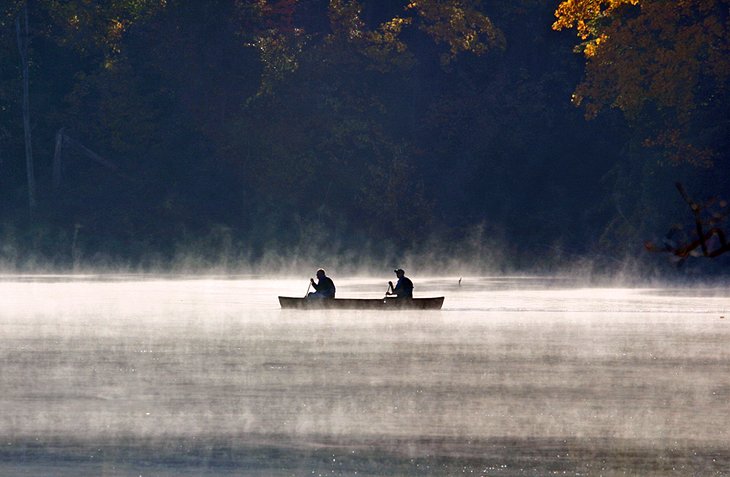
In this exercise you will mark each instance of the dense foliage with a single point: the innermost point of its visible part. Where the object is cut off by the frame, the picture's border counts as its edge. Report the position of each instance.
(236, 130)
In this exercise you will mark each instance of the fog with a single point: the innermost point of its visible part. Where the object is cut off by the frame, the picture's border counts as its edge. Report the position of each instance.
(129, 375)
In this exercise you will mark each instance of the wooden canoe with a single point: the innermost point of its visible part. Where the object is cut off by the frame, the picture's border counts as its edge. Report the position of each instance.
(434, 303)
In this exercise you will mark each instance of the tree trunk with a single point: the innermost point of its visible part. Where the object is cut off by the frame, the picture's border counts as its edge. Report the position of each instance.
(57, 157)
(23, 40)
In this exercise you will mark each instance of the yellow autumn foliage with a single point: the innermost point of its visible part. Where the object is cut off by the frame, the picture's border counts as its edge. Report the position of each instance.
(672, 56)
(583, 14)
(458, 24)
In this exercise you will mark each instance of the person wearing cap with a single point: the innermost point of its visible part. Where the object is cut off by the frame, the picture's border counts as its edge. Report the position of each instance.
(404, 286)
(325, 287)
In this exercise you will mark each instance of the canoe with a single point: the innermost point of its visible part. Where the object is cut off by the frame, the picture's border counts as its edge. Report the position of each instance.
(433, 303)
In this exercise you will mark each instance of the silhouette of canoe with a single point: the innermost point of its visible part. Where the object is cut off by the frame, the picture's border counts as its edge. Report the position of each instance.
(433, 303)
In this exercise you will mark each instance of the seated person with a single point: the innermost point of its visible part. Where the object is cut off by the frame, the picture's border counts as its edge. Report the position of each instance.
(404, 286)
(325, 287)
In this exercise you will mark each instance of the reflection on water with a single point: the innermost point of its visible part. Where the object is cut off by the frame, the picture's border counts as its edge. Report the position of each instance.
(513, 377)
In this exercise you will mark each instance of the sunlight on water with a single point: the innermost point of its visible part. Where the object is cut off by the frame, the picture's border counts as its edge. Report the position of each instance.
(207, 376)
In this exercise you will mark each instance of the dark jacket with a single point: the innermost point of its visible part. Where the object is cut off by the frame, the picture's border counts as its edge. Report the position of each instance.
(404, 288)
(325, 287)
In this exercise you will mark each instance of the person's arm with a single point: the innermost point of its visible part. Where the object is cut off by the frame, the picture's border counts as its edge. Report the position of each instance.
(398, 288)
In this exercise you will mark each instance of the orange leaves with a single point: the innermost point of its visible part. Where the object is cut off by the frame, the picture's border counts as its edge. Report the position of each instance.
(588, 17)
(584, 14)
(670, 57)
(591, 47)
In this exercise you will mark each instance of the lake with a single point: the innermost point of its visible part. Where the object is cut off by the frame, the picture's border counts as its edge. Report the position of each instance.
(124, 375)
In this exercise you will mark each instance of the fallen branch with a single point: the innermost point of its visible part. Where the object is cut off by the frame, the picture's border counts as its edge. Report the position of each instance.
(686, 250)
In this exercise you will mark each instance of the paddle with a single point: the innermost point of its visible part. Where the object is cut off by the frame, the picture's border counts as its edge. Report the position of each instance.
(308, 286)
(390, 286)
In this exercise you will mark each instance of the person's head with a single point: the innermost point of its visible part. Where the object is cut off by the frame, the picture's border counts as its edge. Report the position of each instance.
(320, 273)
(399, 272)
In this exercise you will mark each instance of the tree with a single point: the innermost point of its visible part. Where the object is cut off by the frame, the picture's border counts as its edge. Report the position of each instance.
(23, 34)
(334, 113)
(460, 25)
(665, 65)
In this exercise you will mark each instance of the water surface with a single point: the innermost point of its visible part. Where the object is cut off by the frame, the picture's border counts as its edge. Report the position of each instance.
(123, 375)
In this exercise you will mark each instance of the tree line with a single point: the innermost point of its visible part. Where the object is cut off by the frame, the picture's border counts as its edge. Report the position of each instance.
(137, 132)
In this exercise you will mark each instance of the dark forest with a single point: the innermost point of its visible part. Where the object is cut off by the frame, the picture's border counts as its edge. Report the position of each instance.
(502, 135)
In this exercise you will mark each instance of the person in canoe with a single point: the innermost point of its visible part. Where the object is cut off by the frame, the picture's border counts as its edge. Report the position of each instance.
(404, 286)
(325, 287)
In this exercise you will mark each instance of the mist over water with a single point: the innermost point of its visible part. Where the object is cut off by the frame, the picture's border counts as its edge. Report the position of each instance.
(127, 375)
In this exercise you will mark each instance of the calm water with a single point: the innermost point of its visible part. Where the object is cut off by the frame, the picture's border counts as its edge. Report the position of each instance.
(122, 376)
